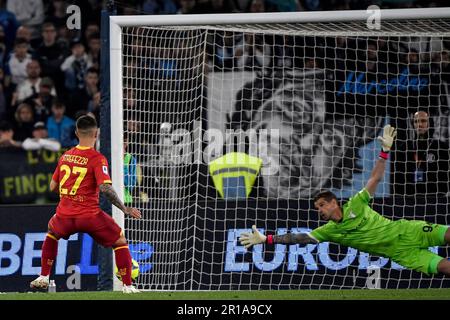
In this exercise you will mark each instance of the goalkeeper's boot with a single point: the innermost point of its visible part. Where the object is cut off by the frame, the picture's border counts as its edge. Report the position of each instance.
(40, 282)
(130, 289)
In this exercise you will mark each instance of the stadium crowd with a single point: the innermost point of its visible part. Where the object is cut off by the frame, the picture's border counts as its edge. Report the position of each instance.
(49, 74)
(54, 71)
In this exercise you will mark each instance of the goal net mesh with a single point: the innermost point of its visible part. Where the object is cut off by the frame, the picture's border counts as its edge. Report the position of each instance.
(308, 101)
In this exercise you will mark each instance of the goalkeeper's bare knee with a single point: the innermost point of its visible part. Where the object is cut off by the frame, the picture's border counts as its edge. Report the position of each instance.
(444, 267)
(447, 236)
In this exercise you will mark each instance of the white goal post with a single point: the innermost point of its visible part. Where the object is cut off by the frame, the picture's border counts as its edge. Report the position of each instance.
(177, 240)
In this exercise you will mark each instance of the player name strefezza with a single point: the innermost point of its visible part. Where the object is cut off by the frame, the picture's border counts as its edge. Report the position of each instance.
(75, 159)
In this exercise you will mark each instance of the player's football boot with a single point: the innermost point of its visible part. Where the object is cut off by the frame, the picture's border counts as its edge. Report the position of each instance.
(130, 289)
(40, 282)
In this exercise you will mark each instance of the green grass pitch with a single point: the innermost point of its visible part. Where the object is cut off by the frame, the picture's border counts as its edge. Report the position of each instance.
(382, 294)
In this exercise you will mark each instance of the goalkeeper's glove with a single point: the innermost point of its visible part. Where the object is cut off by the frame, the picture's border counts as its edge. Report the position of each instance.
(388, 137)
(250, 239)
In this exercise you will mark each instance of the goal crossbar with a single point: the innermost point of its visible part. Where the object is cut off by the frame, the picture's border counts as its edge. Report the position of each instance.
(279, 17)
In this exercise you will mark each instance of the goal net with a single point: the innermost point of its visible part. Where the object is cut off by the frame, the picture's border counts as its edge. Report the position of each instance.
(234, 124)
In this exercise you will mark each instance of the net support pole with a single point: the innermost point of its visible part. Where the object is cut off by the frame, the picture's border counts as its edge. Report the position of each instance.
(105, 258)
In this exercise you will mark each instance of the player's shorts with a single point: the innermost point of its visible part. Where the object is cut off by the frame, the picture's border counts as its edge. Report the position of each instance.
(412, 248)
(101, 227)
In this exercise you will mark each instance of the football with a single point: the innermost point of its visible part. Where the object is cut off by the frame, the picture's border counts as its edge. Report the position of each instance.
(134, 270)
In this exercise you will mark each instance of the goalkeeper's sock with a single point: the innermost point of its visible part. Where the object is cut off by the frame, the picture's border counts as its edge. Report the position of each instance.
(49, 252)
(123, 262)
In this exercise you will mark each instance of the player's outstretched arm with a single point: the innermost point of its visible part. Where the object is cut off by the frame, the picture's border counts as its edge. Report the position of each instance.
(389, 134)
(109, 192)
(256, 237)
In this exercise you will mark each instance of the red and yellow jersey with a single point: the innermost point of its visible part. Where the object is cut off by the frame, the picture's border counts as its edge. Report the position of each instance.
(80, 172)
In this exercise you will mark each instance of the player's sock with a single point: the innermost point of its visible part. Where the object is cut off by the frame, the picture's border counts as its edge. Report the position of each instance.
(123, 262)
(49, 252)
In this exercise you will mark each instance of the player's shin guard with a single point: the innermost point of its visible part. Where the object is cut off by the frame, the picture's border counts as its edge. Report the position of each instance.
(123, 262)
(49, 252)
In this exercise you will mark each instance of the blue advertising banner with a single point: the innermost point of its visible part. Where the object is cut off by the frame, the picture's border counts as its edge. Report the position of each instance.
(226, 264)
(213, 258)
(22, 232)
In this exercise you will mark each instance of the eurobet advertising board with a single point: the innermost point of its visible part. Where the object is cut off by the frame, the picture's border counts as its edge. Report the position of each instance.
(220, 262)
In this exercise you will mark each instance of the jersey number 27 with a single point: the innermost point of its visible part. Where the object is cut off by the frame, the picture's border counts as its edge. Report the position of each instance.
(80, 171)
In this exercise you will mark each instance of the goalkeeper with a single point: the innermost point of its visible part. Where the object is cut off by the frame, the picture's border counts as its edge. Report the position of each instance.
(358, 226)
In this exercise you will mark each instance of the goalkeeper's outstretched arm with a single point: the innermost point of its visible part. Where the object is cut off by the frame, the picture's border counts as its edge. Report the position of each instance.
(256, 237)
(386, 140)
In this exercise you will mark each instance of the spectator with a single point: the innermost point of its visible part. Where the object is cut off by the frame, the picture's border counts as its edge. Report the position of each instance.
(24, 117)
(80, 98)
(283, 6)
(65, 36)
(17, 63)
(94, 106)
(4, 95)
(91, 86)
(224, 47)
(137, 141)
(6, 136)
(313, 5)
(213, 6)
(3, 48)
(25, 33)
(422, 164)
(186, 6)
(129, 100)
(129, 11)
(94, 45)
(61, 127)
(257, 6)
(52, 54)
(43, 100)
(29, 13)
(242, 5)
(92, 10)
(75, 66)
(40, 139)
(159, 7)
(10, 24)
(91, 29)
(31, 86)
(441, 65)
(57, 13)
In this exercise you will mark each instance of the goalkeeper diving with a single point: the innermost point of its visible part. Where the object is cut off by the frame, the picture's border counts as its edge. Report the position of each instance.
(358, 226)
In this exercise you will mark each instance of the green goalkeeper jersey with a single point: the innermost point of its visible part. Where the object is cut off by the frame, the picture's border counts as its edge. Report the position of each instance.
(362, 228)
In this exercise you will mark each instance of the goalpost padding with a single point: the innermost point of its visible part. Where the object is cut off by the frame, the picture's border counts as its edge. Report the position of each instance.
(324, 84)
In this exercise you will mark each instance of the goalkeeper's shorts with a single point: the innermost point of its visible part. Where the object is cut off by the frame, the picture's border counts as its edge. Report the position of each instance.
(412, 248)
